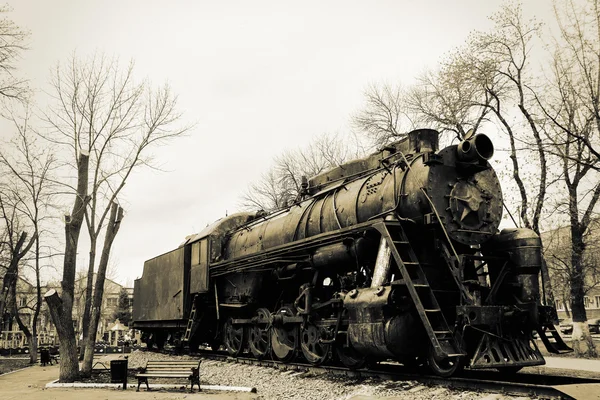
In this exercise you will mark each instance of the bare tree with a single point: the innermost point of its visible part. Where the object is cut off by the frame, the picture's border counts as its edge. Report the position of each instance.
(280, 186)
(385, 116)
(557, 245)
(509, 81)
(571, 106)
(491, 80)
(452, 98)
(61, 307)
(28, 177)
(15, 246)
(12, 44)
(99, 109)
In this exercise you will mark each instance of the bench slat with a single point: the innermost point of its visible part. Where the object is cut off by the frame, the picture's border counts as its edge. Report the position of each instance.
(176, 371)
(174, 362)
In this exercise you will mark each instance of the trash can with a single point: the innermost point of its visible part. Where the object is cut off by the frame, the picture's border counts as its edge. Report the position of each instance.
(118, 371)
(44, 357)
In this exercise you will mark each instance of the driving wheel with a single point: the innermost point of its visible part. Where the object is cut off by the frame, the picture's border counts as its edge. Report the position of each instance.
(443, 367)
(284, 337)
(234, 338)
(349, 357)
(258, 335)
(314, 350)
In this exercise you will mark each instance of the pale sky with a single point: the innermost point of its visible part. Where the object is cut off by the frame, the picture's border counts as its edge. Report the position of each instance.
(256, 77)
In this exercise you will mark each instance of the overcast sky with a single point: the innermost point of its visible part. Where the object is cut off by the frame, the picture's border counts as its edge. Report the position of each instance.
(256, 77)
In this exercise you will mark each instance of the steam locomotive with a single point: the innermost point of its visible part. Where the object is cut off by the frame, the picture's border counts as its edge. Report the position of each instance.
(393, 256)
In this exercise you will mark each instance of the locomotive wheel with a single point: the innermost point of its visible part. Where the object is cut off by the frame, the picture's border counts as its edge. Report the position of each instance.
(313, 349)
(258, 335)
(284, 338)
(234, 338)
(444, 367)
(349, 357)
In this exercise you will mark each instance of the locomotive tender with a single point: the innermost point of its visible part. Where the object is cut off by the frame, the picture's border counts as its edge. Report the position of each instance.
(393, 256)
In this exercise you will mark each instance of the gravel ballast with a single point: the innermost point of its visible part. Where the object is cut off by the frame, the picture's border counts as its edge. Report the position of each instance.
(274, 384)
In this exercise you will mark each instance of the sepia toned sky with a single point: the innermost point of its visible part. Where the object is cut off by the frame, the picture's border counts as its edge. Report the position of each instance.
(256, 77)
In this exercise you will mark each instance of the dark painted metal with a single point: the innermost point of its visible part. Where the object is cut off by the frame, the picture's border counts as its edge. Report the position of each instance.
(314, 261)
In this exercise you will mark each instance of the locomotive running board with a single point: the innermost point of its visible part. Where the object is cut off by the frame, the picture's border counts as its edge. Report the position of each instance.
(440, 335)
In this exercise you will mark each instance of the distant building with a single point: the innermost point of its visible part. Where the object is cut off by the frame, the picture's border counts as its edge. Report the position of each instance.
(110, 301)
(12, 336)
(557, 246)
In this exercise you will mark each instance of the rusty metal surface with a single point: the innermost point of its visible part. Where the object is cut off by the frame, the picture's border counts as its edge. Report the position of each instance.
(524, 248)
(318, 258)
(494, 352)
(470, 202)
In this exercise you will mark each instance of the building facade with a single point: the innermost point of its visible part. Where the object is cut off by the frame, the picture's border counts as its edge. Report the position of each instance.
(12, 337)
(557, 253)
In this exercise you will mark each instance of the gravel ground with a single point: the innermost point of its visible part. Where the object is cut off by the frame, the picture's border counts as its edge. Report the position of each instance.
(275, 384)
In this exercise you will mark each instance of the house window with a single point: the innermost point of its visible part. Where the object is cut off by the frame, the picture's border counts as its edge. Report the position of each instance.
(111, 302)
(587, 302)
(23, 302)
(597, 298)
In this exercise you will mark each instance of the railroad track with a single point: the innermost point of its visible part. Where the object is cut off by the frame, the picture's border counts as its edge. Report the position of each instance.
(520, 384)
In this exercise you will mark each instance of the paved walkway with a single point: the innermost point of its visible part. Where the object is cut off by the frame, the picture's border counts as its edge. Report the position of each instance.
(29, 384)
(573, 363)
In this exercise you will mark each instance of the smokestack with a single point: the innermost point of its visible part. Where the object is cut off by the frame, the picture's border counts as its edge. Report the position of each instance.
(476, 148)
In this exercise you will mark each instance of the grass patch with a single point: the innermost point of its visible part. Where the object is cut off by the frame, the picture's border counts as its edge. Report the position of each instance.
(11, 364)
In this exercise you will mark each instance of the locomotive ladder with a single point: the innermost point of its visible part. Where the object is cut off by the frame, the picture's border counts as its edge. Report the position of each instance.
(441, 337)
(190, 324)
(553, 342)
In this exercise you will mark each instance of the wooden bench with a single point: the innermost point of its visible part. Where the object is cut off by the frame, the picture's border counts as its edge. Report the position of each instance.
(170, 369)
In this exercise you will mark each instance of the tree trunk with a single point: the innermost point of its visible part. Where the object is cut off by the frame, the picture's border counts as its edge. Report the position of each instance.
(114, 222)
(22, 326)
(567, 312)
(69, 367)
(547, 284)
(61, 309)
(582, 340)
(11, 274)
(88, 298)
(33, 347)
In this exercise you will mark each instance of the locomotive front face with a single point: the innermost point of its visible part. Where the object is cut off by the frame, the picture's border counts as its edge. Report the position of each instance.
(456, 187)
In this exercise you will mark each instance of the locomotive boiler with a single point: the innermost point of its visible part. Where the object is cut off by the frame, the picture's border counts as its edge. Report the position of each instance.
(393, 256)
